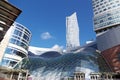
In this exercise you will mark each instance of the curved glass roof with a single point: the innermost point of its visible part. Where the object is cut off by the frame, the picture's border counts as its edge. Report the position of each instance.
(85, 59)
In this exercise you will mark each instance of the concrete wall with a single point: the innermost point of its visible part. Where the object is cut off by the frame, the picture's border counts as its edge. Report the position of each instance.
(3, 46)
(4, 43)
(108, 39)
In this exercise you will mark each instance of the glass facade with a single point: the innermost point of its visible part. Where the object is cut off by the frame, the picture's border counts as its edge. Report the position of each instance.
(106, 13)
(15, 51)
(8, 62)
(84, 59)
(17, 48)
(21, 36)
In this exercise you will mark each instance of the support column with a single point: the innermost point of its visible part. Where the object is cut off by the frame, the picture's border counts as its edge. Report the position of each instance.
(19, 75)
(11, 75)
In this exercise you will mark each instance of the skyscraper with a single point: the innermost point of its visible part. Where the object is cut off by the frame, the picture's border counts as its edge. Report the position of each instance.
(106, 14)
(72, 32)
(107, 28)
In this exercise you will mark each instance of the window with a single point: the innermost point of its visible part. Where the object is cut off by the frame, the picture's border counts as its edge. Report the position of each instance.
(108, 14)
(110, 18)
(109, 23)
(13, 41)
(101, 21)
(109, 7)
(103, 6)
(24, 45)
(15, 36)
(17, 32)
(104, 9)
(19, 43)
(8, 51)
(12, 63)
(26, 37)
(20, 26)
(97, 5)
(5, 62)
(27, 31)
(118, 4)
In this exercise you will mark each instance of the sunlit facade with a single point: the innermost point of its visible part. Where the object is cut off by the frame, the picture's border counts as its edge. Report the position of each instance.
(72, 32)
(106, 14)
(8, 14)
(17, 48)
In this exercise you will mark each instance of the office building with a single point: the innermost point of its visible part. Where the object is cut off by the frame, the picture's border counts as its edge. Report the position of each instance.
(107, 28)
(18, 37)
(72, 32)
(8, 14)
(106, 14)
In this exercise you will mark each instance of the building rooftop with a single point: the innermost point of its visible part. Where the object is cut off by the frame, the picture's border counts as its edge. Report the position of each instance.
(8, 14)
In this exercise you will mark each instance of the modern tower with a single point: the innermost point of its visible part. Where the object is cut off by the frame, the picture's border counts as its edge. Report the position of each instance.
(72, 32)
(18, 37)
(106, 14)
(107, 28)
(8, 14)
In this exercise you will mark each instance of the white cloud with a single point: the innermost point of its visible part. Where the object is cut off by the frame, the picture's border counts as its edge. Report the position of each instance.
(46, 35)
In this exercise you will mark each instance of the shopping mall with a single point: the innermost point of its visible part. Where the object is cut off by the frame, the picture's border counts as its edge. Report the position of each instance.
(99, 59)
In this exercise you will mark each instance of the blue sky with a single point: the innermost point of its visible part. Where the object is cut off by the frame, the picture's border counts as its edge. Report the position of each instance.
(46, 19)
